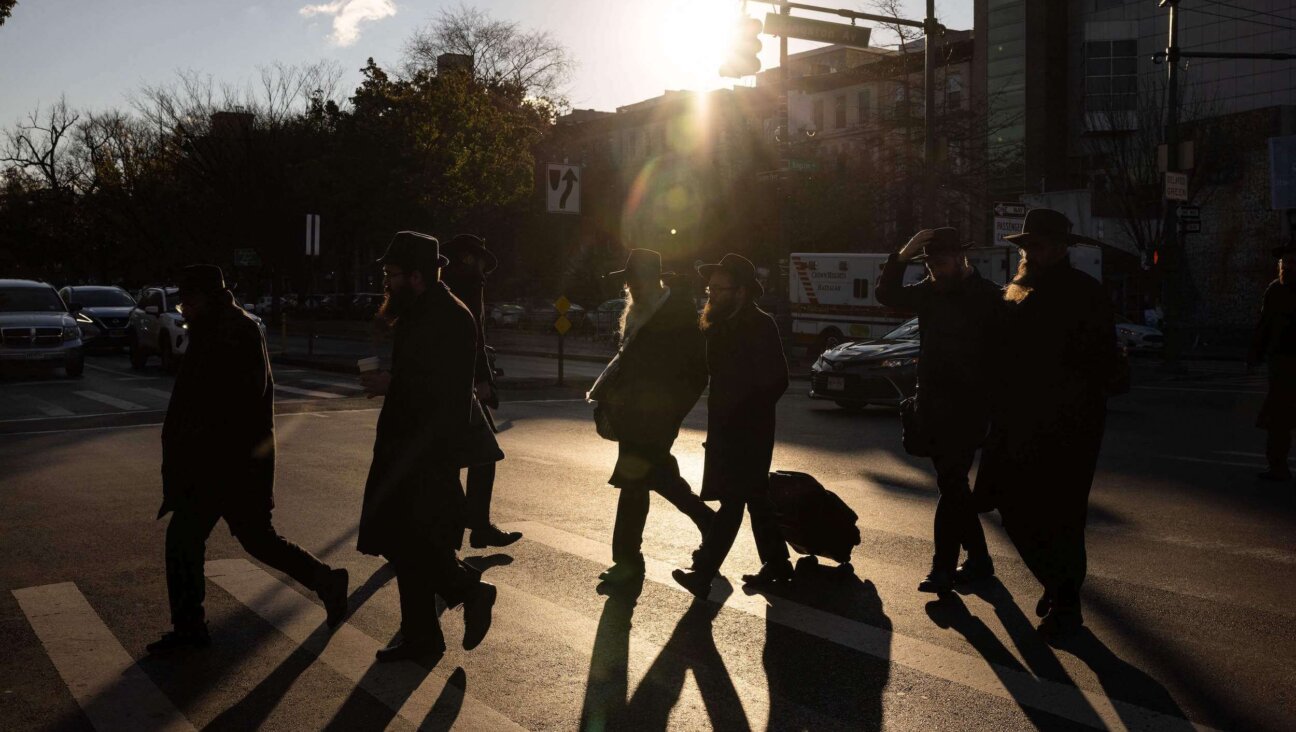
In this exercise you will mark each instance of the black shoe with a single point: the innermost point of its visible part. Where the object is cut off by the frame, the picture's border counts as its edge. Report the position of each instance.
(407, 650)
(491, 535)
(477, 614)
(1044, 604)
(333, 592)
(622, 572)
(939, 582)
(974, 570)
(770, 572)
(180, 639)
(698, 583)
(1061, 623)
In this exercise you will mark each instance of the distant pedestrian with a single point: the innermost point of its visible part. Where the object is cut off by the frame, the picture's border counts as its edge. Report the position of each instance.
(413, 502)
(218, 459)
(1275, 345)
(470, 263)
(647, 391)
(748, 374)
(1058, 359)
(958, 312)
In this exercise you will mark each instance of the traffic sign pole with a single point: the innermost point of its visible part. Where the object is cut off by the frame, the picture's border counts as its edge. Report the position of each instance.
(562, 325)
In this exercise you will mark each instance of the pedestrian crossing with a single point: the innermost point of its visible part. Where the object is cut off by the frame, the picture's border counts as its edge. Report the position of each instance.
(115, 694)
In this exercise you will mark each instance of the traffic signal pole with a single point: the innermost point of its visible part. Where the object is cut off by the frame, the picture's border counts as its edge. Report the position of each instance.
(1172, 289)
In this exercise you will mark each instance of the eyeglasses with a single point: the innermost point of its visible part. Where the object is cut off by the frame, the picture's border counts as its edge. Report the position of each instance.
(387, 276)
(711, 289)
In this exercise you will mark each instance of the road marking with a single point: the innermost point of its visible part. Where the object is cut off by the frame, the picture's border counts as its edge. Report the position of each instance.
(114, 372)
(1212, 391)
(42, 406)
(111, 401)
(110, 689)
(160, 393)
(538, 461)
(80, 429)
(1064, 700)
(336, 384)
(350, 652)
(308, 392)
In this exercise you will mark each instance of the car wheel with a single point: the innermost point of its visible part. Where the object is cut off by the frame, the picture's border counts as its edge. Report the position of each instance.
(75, 367)
(169, 362)
(138, 357)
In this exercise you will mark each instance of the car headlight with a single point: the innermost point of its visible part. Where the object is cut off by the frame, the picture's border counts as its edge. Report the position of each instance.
(183, 325)
(71, 332)
(1127, 332)
(895, 363)
(83, 318)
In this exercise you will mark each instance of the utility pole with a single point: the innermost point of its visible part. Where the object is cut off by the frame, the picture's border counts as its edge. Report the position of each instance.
(784, 145)
(1172, 290)
(931, 29)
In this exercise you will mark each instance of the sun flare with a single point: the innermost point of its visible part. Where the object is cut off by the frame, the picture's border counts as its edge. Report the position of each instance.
(694, 38)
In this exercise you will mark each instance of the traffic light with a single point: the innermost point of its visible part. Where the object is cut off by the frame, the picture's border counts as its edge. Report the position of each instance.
(743, 49)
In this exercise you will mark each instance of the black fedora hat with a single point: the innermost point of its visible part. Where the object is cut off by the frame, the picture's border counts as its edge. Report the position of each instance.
(945, 240)
(641, 262)
(470, 244)
(412, 250)
(1045, 224)
(739, 267)
(202, 278)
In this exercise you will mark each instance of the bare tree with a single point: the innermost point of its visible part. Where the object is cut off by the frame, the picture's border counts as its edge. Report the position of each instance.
(6, 7)
(42, 145)
(502, 52)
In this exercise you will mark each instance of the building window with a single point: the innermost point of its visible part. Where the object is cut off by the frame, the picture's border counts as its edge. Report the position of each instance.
(839, 112)
(817, 115)
(954, 91)
(865, 105)
(901, 103)
(861, 289)
(1111, 76)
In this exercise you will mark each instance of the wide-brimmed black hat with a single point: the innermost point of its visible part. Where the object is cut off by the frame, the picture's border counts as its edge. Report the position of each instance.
(739, 267)
(1285, 251)
(412, 250)
(202, 278)
(945, 240)
(470, 244)
(1045, 224)
(640, 262)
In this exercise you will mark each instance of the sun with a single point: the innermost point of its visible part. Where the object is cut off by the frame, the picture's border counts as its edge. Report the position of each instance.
(694, 39)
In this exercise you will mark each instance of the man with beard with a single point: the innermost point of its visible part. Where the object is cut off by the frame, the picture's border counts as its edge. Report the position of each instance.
(218, 458)
(1058, 359)
(957, 312)
(1275, 344)
(748, 376)
(652, 384)
(470, 262)
(413, 503)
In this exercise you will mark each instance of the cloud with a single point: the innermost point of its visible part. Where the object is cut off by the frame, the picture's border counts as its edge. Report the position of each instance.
(349, 14)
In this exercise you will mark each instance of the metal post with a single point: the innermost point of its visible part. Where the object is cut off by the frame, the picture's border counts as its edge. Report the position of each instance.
(1172, 255)
(931, 31)
(782, 184)
(561, 338)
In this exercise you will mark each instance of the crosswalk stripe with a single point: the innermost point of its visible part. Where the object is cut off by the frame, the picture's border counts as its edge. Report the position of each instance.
(111, 401)
(42, 406)
(111, 690)
(335, 384)
(159, 393)
(1075, 704)
(349, 651)
(307, 392)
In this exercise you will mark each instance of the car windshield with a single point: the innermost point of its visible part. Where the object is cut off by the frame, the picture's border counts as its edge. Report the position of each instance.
(30, 300)
(106, 298)
(906, 332)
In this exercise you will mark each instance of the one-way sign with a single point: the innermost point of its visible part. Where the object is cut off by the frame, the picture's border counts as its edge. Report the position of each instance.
(562, 188)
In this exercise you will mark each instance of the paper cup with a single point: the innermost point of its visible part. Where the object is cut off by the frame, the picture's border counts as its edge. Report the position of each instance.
(367, 364)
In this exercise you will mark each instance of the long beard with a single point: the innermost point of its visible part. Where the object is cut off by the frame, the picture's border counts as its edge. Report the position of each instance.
(1023, 283)
(1284, 277)
(395, 302)
(712, 314)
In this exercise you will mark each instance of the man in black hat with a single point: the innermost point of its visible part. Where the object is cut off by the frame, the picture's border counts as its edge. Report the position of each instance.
(957, 313)
(413, 502)
(470, 262)
(660, 371)
(1275, 344)
(218, 452)
(748, 376)
(1058, 361)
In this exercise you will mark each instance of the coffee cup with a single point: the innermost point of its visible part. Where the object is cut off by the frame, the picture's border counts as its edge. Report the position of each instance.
(368, 364)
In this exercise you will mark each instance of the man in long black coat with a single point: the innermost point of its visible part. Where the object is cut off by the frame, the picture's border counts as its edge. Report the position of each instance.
(413, 502)
(1059, 359)
(470, 262)
(218, 459)
(958, 311)
(648, 390)
(1275, 344)
(749, 374)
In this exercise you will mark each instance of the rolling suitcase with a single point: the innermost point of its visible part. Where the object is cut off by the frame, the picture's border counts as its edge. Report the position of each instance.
(814, 520)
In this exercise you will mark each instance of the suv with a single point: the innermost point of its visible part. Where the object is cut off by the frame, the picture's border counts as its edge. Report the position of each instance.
(156, 326)
(36, 326)
(104, 314)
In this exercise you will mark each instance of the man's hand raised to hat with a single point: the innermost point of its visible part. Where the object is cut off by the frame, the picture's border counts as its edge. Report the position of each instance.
(915, 245)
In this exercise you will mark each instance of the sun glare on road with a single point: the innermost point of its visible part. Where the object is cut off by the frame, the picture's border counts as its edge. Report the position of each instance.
(694, 37)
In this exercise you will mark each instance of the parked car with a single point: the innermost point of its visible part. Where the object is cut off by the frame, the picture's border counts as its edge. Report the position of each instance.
(606, 317)
(505, 315)
(856, 374)
(1136, 337)
(103, 314)
(157, 327)
(38, 327)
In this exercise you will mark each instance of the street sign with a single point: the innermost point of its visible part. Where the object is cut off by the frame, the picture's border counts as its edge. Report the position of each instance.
(777, 24)
(1008, 217)
(562, 188)
(1282, 172)
(1189, 212)
(562, 304)
(1176, 186)
(562, 325)
(312, 235)
(1190, 227)
(246, 258)
(805, 166)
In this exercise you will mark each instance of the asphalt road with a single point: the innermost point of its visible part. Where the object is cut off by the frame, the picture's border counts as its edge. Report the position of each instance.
(1188, 602)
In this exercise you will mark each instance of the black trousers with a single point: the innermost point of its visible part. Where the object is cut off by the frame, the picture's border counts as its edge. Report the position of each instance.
(1052, 544)
(632, 515)
(186, 551)
(481, 486)
(719, 538)
(422, 573)
(1277, 449)
(956, 525)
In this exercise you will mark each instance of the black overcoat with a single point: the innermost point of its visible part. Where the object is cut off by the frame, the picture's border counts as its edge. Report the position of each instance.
(424, 431)
(956, 327)
(218, 442)
(1057, 358)
(1275, 344)
(749, 374)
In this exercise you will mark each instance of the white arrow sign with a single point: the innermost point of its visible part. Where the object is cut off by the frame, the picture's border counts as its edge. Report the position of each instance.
(562, 188)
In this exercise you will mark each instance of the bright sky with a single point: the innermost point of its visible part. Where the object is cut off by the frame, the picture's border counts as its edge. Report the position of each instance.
(98, 52)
